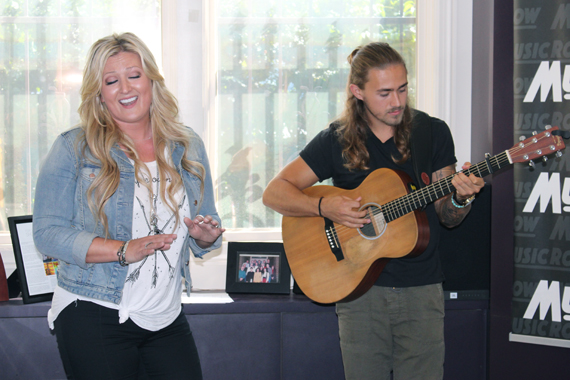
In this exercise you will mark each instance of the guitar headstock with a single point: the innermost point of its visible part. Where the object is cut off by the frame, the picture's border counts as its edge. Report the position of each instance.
(539, 145)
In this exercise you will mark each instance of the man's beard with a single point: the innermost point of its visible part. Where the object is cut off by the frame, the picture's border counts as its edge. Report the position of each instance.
(392, 122)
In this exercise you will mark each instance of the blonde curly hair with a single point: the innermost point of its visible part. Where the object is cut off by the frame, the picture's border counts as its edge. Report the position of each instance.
(101, 132)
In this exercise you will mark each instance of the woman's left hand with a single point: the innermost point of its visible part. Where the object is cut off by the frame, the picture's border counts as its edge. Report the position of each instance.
(205, 230)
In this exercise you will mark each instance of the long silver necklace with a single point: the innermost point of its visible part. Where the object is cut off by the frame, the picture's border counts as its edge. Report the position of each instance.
(153, 209)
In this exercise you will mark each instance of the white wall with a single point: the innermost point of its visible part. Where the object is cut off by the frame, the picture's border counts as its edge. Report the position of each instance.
(444, 65)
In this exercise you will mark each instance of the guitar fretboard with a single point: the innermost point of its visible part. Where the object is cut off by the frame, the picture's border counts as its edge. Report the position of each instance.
(426, 195)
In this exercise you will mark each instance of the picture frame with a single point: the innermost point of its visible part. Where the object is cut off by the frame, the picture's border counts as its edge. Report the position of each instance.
(257, 267)
(37, 273)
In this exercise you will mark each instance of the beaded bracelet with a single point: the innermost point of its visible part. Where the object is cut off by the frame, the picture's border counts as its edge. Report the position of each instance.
(464, 204)
(121, 253)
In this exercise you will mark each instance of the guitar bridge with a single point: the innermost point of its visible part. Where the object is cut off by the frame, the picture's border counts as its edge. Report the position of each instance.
(332, 238)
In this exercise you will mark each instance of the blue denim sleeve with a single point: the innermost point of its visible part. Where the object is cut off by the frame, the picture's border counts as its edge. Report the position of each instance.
(198, 153)
(55, 233)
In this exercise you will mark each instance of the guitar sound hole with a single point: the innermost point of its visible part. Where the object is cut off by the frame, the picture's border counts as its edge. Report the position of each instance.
(378, 225)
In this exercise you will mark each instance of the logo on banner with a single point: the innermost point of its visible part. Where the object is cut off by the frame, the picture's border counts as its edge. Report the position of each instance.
(547, 298)
(547, 189)
(526, 16)
(549, 77)
(562, 18)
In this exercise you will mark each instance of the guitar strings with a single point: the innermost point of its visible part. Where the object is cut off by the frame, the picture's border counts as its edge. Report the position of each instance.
(404, 205)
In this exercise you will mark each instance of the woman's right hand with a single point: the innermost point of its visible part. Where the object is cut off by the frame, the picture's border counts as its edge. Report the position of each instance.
(138, 249)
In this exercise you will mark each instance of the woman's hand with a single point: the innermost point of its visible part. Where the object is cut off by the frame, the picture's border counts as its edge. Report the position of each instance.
(138, 249)
(205, 230)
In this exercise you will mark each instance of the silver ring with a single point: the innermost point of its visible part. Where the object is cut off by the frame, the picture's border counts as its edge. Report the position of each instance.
(147, 244)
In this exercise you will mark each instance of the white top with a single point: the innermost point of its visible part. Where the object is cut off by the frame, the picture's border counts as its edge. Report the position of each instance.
(153, 288)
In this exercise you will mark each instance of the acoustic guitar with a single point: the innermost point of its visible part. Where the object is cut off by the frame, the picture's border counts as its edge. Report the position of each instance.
(333, 263)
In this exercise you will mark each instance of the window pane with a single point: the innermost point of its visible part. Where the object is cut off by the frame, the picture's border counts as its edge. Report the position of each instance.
(43, 44)
(281, 79)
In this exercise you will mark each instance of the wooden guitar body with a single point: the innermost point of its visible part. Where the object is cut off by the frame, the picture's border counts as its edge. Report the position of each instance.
(316, 269)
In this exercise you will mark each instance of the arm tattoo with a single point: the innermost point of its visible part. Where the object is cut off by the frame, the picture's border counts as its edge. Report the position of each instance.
(449, 215)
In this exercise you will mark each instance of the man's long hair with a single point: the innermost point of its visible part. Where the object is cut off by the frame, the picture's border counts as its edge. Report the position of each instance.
(353, 130)
(101, 132)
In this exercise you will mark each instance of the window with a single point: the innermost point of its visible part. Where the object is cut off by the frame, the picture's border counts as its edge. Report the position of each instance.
(281, 78)
(43, 44)
(276, 77)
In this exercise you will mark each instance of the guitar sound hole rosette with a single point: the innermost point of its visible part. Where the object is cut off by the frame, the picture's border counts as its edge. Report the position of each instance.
(377, 226)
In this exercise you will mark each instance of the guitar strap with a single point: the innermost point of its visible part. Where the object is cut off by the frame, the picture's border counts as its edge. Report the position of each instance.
(421, 147)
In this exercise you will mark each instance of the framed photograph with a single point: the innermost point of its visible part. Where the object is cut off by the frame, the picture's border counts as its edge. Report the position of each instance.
(36, 272)
(257, 268)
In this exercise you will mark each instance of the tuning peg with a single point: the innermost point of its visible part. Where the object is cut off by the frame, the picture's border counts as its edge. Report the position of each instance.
(558, 154)
(534, 133)
(522, 138)
(544, 158)
(547, 126)
(531, 164)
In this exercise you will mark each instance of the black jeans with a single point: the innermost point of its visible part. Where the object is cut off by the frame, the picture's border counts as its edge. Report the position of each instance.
(93, 345)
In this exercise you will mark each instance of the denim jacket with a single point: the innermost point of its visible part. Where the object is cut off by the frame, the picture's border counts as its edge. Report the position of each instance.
(64, 227)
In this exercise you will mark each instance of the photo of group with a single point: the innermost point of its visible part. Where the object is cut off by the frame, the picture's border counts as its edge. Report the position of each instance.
(255, 267)
(259, 269)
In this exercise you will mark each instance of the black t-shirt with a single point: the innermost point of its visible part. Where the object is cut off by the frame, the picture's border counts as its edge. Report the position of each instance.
(324, 156)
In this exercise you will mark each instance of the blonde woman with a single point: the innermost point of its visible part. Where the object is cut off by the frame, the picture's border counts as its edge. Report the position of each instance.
(119, 201)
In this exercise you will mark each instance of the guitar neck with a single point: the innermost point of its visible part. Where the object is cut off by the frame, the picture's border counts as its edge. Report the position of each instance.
(426, 195)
